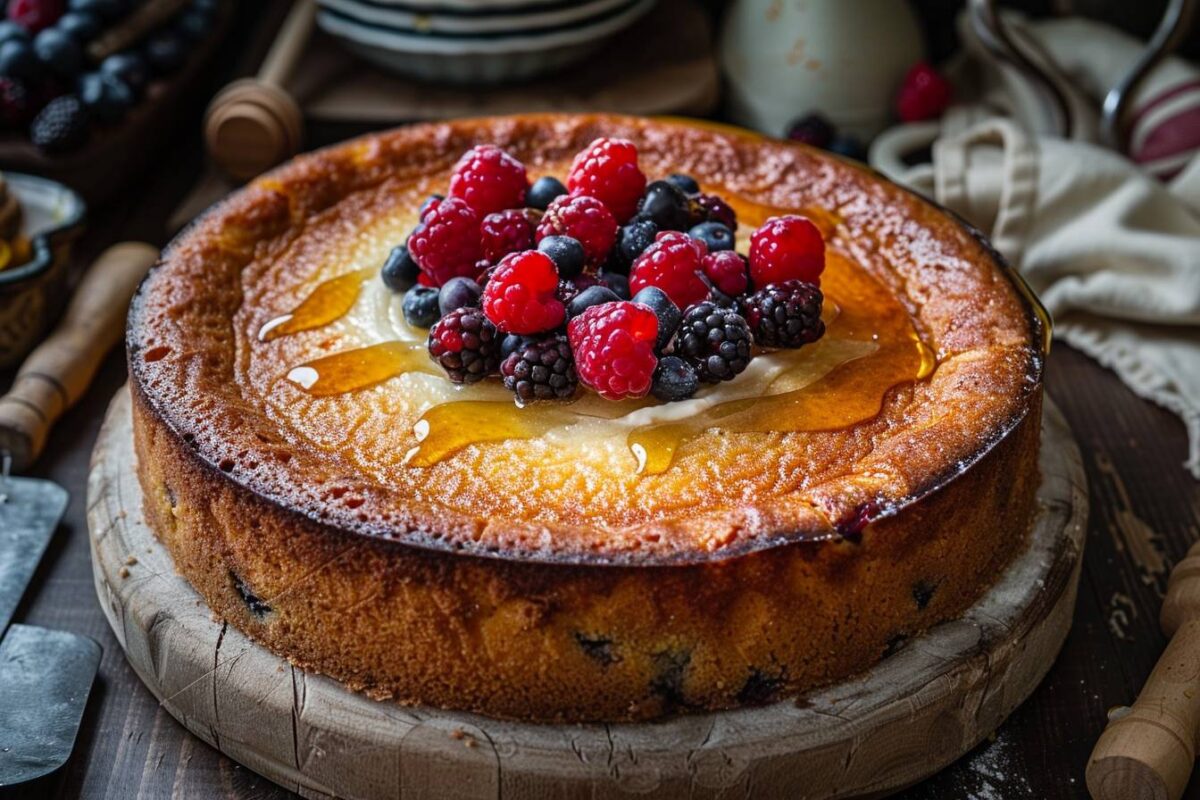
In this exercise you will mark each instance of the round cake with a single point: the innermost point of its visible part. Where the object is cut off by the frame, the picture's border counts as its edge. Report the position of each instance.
(396, 521)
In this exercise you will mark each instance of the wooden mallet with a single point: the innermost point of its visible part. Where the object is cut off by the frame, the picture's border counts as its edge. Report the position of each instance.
(1147, 751)
(253, 124)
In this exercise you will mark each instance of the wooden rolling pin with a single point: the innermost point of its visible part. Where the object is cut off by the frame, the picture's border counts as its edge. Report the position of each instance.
(1147, 751)
(253, 124)
(58, 371)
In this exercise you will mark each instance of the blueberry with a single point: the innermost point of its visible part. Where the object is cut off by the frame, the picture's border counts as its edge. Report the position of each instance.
(130, 67)
(433, 198)
(715, 235)
(850, 146)
(591, 296)
(399, 272)
(108, 9)
(543, 191)
(667, 312)
(665, 205)
(513, 342)
(421, 306)
(674, 379)
(165, 51)
(82, 26)
(17, 60)
(632, 240)
(107, 98)
(617, 282)
(458, 293)
(812, 129)
(419, 227)
(685, 182)
(59, 51)
(567, 254)
(12, 30)
(194, 24)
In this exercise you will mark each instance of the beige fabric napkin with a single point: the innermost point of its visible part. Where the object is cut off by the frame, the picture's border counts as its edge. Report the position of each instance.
(1113, 253)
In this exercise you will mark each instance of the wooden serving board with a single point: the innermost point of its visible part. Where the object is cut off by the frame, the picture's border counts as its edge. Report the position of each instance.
(922, 707)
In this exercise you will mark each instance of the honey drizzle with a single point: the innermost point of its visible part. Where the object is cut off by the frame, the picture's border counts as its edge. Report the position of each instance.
(328, 303)
(351, 370)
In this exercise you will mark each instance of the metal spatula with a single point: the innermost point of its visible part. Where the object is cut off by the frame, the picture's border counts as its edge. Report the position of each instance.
(46, 676)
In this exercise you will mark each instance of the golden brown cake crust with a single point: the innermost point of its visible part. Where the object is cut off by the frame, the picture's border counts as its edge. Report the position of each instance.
(898, 523)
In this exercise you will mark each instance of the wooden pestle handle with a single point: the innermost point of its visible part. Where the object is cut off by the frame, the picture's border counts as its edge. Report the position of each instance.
(58, 371)
(1149, 752)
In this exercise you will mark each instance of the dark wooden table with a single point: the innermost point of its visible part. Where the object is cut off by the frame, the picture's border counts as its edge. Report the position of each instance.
(1145, 512)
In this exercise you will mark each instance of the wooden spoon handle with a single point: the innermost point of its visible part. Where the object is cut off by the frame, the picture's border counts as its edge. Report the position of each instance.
(1149, 751)
(58, 372)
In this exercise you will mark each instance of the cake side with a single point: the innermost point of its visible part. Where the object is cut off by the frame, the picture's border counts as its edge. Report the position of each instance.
(582, 643)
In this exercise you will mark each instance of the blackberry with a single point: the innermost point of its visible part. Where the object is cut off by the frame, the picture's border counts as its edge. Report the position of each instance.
(61, 126)
(466, 344)
(674, 379)
(786, 314)
(685, 182)
(400, 271)
(420, 306)
(715, 340)
(665, 205)
(543, 191)
(543, 369)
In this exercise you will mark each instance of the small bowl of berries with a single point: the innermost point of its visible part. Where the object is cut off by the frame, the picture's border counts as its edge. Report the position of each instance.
(610, 281)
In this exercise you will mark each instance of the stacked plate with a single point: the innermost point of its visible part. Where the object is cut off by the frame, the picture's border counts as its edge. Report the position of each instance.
(476, 41)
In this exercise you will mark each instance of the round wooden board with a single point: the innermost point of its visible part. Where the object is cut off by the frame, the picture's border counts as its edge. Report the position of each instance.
(921, 708)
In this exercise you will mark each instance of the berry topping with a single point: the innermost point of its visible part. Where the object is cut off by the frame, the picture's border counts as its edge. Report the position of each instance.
(685, 182)
(61, 126)
(608, 171)
(446, 244)
(925, 94)
(710, 208)
(672, 264)
(667, 312)
(505, 232)
(130, 67)
(665, 205)
(542, 369)
(727, 271)
(420, 306)
(585, 219)
(430, 204)
(715, 236)
(786, 248)
(813, 130)
(458, 293)
(489, 179)
(716, 341)
(522, 294)
(543, 192)
(400, 271)
(632, 241)
(591, 296)
(14, 103)
(59, 51)
(849, 146)
(34, 15)
(785, 314)
(674, 379)
(566, 253)
(466, 345)
(107, 98)
(614, 349)
(617, 282)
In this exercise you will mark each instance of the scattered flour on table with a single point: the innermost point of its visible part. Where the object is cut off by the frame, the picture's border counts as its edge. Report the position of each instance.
(991, 772)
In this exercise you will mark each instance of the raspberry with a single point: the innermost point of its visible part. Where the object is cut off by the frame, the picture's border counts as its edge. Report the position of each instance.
(614, 349)
(925, 94)
(583, 218)
(785, 314)
(541, 370)
(489, 179)
(714, 340)
(466, 345)
(505, 232)
(608, 171)
(710, 208)
(787, 248)
(727, 271)
(14, 103)
(522, 294)
(34, 15)
(446, 244)
(672, 264)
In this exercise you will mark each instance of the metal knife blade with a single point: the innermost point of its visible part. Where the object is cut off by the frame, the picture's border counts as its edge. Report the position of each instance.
(29, 514)
(45, 679)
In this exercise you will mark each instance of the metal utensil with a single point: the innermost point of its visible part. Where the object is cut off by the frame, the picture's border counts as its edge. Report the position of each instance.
(46, 676)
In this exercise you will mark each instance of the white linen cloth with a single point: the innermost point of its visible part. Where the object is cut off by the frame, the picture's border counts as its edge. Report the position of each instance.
(1113, 253)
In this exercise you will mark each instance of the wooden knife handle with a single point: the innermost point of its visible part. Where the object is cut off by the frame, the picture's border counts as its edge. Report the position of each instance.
(59, 370)
(1149, 751)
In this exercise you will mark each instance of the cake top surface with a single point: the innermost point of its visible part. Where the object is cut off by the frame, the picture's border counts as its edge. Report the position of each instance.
(267, 342)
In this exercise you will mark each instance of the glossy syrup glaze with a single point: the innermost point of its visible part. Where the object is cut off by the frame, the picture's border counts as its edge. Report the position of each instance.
(870, 346)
